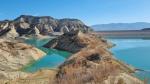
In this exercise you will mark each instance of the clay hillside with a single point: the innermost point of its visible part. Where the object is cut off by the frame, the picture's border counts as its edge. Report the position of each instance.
(44, 25)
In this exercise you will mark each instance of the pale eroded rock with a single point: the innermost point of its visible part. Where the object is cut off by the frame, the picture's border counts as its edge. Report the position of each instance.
(14, 55)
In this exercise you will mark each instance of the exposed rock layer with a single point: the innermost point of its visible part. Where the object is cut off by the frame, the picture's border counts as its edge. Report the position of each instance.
(27, 25)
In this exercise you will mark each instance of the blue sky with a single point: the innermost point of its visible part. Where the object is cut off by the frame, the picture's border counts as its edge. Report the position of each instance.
(89, 11)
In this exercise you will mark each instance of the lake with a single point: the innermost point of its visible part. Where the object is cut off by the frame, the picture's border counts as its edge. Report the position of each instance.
(135, 52)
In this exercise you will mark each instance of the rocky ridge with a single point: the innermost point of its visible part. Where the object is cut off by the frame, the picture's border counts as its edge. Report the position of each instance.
(36, 25)
(75, 41)
(91, 61)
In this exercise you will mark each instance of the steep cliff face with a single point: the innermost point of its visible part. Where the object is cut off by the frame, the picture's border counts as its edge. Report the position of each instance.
(91, 61)
(26, 25)
(14, 55)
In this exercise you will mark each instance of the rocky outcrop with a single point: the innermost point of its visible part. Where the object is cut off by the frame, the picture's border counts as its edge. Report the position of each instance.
(11, 33)
(28, 25)
(14, 55)
(7, 30)
(74, 41)
(91, 61)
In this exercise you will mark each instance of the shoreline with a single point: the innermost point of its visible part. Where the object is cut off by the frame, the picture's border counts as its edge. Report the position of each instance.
(124, 34)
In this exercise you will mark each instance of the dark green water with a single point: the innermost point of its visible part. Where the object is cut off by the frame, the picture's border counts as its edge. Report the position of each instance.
(52, 60)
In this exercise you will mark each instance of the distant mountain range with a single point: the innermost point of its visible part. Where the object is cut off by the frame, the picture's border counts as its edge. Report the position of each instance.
(121, 26)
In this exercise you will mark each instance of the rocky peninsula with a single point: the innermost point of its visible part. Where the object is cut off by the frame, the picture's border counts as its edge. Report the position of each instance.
(91, 61)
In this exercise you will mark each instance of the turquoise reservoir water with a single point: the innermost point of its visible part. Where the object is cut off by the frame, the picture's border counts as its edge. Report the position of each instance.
(52, 60)
(135, 52)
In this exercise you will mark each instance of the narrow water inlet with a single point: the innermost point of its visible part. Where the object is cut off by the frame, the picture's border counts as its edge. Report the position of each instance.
(52, 59)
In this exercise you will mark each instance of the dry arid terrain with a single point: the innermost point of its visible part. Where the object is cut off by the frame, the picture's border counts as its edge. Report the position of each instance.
(90, 62)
